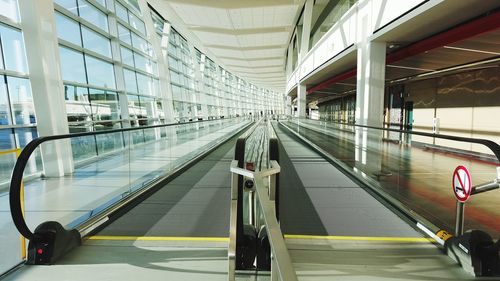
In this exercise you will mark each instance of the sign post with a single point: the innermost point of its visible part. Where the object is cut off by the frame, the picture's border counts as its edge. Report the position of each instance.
(462, 187)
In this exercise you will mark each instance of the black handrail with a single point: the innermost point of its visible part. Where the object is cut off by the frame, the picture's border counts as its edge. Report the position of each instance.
(22, 160)
(493, 146)
(239, 154)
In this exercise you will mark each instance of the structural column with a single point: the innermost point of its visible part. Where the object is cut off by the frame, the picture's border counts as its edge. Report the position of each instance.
(306, 29)
(305, 33)
(42, 52)
(199, 85)
(301, 101)
(370, 87)
(370, 104)
(160, 50)
(370, 84)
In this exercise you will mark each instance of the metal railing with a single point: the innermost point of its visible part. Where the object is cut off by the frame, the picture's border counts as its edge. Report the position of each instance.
(481, 188)
(265, 203)
(281, 266)
(50, 231)
(493, 146)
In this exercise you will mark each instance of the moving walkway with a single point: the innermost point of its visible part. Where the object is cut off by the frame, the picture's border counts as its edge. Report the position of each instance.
(304, 217)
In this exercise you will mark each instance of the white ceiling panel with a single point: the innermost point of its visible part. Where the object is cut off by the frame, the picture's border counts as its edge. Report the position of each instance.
(263, 16)
(276, 38)
(202, 16)
(274, 69)
(249, 37)
(270, 62)
(264, 53)
(221, 39)
(227, 53)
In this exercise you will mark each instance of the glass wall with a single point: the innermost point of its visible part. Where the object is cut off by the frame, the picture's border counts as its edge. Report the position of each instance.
(91, 65)
(181, 70)
(17, 113)
(110, 76)
(140, 67)
(202, 89)
(17, 122)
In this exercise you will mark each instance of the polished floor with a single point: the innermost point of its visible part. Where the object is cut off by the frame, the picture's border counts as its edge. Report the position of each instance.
(416, 175)
(331, 203)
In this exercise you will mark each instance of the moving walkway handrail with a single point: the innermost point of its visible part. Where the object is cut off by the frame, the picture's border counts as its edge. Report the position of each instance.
(282, 266)
(237, 199)
(17, 173)
(493, 146)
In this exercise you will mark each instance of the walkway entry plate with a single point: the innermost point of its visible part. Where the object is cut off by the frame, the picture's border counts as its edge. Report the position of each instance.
(462, 184)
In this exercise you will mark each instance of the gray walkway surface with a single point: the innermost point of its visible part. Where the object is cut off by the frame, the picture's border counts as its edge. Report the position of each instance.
(331, 203)
(195, 203)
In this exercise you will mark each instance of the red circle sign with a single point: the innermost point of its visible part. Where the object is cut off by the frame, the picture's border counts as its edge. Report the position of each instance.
(462, 184)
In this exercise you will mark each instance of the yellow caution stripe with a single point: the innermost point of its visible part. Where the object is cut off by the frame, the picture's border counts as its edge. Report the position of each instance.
(363, 238)
(158, 238)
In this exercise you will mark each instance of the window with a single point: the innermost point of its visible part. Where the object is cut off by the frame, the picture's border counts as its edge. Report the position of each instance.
(136, 23)
(127, 56)
(72, 66)
(124, 34)
(96, 42)
(105, 106)
(13, 49)
(143, 63)
(9, 9)
(121, 12)
(93, 15)
(21, 100)
(130, 81)
(145, 84)
(101, 2)
(68, 29)
(100, 73)
(4, 104)
(140, 43)
(69, 5)
(77, 104)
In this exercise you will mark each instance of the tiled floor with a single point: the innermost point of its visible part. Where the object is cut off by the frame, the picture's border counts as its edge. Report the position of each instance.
(322, 260)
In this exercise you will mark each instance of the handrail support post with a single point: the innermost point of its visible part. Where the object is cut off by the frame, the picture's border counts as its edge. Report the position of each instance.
(459, 218)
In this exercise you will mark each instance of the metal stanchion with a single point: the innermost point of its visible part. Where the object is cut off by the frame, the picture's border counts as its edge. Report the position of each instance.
(459, 218)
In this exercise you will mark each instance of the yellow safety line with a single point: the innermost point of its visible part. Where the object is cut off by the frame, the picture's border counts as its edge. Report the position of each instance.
(288, 236)
(363, 238)
(159, 238)
(17, 151)
(10, 151)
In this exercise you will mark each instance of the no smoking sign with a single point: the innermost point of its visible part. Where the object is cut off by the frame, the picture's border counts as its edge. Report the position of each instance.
(462, 184)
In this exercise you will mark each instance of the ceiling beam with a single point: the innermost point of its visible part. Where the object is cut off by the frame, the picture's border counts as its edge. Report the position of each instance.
(250, 59)
(237, 4)
(254, 48)
(245, 31)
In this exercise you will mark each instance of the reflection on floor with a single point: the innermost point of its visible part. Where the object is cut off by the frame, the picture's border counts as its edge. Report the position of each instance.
(418, 177)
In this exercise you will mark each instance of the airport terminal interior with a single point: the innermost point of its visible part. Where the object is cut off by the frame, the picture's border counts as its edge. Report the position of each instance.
(249, 140)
